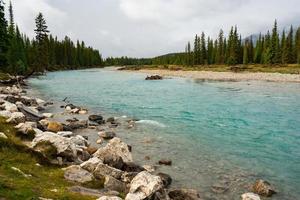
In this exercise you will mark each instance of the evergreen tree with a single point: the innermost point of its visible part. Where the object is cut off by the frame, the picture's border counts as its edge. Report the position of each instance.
(290, 46)
(3, 37)
(258, 50)
(203, 56)
(284, 49)
(298, 45)
(42, 43)
(275, 48)
(220, 48)
(245, 52)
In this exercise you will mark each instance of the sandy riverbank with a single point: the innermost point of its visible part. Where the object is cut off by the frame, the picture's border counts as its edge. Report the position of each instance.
(226, 76)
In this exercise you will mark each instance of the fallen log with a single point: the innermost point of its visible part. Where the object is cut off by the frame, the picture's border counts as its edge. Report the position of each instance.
(30, 114)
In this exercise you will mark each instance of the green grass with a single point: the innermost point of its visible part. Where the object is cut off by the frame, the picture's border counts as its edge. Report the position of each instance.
(284, 69)
(45, 178)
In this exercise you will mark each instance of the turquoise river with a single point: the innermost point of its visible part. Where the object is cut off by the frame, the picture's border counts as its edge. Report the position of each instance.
(221, 136)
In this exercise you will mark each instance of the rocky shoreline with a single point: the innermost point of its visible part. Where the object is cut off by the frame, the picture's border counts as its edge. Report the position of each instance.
(111, 165)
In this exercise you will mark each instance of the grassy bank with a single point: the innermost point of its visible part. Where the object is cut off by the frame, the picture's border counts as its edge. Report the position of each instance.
(284, 69)
(44, 181)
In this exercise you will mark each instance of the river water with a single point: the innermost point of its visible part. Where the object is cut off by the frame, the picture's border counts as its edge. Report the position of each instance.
(221, 136)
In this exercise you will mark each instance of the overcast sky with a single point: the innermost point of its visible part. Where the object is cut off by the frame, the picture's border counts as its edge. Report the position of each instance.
(145, 28)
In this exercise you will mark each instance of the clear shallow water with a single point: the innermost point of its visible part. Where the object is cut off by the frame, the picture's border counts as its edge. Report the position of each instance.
(217, 133)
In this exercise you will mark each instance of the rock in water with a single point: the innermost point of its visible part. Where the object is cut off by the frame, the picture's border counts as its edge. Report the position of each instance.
(263, 188)
(55, 127)
(166, 179)
(250, 196)
(107, 134)
(184, 194)
(97, 118)
(143, 186)
(115, 147)
(77, 174)
(165, 162)
(155, 77)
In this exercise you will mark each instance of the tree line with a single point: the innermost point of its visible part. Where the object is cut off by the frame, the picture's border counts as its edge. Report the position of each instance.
(271, 48)
(21, 55)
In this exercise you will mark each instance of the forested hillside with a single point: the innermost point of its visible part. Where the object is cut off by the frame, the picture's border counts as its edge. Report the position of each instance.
(21, 55)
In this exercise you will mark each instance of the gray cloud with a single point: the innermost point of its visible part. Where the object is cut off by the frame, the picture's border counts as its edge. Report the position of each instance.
(144, 28)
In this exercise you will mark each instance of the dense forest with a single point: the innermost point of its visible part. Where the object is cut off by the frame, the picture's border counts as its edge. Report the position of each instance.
(271, 48)
(22, 55)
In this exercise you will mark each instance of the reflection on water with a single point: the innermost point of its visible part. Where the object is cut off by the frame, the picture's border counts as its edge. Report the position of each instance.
(217, 133)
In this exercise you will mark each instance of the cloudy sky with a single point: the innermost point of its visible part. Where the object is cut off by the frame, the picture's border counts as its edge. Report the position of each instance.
(145, 28)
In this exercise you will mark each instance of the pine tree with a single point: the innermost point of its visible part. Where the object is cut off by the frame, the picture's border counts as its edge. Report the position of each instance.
(275, 48)
(196, 51)
(290, 46)
(258, 50)
(42, 43)
(245, 52)
(298, 45)
(284, 49)
(220, 48)
(267, 54)
(3, 37)
(203, 56)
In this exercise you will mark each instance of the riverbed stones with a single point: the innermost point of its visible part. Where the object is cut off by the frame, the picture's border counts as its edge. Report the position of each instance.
(250, 196)
(48, 115)
(143, 186)
(5, 113)
(16, 118)
(9, 106)
(78, 125)
(103, 170)
(63, 146)
(91, 164)
(166, 179)
(55, 127)
(65, 133)
(114, 161)
(165, 162)
(111, 183)
(26, 128)
(107, 135)
(115, 147)
(184, 194)
(263, 188)
(97, 118)
(154, 77)
(76, 174)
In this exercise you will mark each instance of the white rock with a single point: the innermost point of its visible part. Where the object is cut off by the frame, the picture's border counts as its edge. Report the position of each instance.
(99, 141)
(26, 127)
(103, 170)
(64, 146)
(75, 110)
(79, 141)
(40, 101)
(115, 147)
(5, 113)
(83, 112)
(37, 131)
(2, 135)
(65, 133)
(144, 185)
(44, 122)
(48, 115)
(149, 168)
(10, 106)
(250, 196)
(16, 117)
(91, 164)
(109, 198)
(77, 174)
(68, 108)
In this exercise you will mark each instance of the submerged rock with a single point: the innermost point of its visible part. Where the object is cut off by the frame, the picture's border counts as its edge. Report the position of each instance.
(263, 188)
(97, 118)
(250, 196)
(165, 162)
(77, 174)
(143, 186)
(115, 147)
(184, 194)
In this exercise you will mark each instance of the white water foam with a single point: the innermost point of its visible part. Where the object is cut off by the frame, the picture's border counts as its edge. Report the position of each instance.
(151, 122)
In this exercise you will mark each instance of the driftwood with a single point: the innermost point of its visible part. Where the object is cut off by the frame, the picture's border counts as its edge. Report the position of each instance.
(30, 114)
